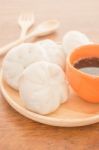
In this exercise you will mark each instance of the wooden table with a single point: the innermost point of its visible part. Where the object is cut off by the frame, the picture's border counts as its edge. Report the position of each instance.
(18, 132)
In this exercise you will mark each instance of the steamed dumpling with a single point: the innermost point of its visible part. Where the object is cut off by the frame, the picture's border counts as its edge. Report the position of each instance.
(74, 39)
(53, 51)
(43, 87)
(20, 57)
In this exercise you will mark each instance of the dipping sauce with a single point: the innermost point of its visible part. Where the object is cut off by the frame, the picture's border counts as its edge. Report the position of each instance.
(89, 65)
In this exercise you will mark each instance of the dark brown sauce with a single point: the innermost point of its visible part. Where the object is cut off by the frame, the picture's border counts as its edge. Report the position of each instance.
(89, 65)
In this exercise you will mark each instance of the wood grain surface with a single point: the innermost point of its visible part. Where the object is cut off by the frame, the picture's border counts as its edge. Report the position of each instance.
(18, 132)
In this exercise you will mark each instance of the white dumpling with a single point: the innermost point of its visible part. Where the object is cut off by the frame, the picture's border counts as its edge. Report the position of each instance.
(18, 59)
(54, 52)
(74, 39)
(43, 87)
(25, 54)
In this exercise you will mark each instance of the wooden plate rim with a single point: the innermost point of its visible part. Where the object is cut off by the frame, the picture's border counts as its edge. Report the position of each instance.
(46, 119)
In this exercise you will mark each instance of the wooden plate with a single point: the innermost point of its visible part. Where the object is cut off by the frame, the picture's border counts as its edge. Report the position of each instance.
(75, 112)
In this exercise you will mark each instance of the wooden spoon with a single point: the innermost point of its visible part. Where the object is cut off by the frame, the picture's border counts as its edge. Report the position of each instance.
(43, 29)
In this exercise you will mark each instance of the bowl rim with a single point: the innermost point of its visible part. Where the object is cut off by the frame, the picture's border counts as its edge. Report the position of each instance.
(68, 62)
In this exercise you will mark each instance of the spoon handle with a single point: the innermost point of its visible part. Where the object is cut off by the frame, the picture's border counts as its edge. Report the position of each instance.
(5, 49)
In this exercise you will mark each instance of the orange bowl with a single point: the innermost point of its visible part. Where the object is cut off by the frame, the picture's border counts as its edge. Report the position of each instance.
(85, 85)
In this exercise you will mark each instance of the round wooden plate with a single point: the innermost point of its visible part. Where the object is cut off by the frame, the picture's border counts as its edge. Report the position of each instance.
(75, 112)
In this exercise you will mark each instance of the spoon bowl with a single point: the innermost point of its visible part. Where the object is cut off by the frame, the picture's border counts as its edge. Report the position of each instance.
(47, 27)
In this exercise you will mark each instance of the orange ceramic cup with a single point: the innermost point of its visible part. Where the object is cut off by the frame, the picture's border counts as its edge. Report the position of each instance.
(85, 85)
